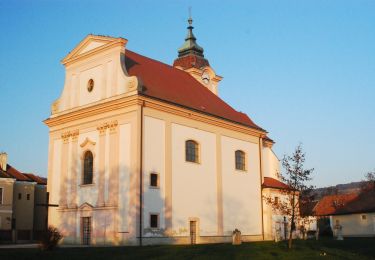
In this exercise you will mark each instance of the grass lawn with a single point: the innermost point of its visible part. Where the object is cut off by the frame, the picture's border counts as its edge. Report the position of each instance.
(356, 248)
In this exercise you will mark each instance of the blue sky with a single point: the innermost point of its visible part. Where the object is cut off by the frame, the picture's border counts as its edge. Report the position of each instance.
(303, 70)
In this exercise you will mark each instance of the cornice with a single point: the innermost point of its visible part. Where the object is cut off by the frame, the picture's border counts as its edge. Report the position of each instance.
(206, 118)
(153, 103)
(92, 110)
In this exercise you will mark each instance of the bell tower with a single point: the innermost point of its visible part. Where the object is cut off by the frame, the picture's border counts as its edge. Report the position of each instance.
(191, 59)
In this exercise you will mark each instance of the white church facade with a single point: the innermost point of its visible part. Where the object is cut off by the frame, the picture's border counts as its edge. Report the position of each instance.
(141, 152)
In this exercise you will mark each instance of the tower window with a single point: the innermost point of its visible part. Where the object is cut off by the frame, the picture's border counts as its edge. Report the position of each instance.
(88, 168)
(240, 160)
(191, 151)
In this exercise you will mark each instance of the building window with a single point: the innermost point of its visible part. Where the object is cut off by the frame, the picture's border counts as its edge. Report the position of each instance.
(276, 200)
(1, 196)
(240, 160)
(28, 196)
(88, 162)
(154, 220)
(19, 196)
(191, 151)
(154, 180)
(363, 217)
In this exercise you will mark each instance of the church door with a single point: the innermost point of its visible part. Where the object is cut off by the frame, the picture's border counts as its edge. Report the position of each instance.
(193, 232)
(86, 230)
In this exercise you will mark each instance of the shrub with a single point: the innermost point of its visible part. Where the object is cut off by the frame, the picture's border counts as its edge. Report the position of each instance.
(50, 238)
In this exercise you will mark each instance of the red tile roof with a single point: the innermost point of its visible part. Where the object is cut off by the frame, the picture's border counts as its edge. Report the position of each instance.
(35, 178)
(16, 174)
(13, 173)
(346, 204)
(273, 183)
(164, 82)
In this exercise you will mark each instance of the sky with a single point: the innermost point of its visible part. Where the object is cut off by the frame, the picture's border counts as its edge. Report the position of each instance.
(302, 70)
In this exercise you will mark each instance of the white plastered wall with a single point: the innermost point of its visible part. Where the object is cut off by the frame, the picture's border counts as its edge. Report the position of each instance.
(153, 162)
(194, 185)
(271, 164)
(241, 189)
(354, 225)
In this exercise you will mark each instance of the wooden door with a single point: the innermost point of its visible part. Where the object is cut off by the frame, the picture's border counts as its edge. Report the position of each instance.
(193, 232)
(86, 230)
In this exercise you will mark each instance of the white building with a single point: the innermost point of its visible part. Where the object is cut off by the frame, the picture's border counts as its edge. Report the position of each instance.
(144, 152)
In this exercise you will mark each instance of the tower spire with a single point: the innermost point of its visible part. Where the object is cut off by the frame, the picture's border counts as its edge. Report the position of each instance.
(190, 45)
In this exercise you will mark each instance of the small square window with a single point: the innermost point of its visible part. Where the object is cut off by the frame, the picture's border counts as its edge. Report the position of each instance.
(363, 217)
(154, 180)
(19, 196)
(154, 220)
(28, 196)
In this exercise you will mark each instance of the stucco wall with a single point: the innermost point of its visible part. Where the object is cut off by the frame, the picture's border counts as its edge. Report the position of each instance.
(194, 184)
(6, 206)
(354, 225)
(153, 162)
(241, 189)
(23, 209)
(271, 164)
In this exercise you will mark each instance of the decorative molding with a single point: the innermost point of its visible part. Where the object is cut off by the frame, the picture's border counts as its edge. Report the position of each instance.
(66, 135)
(87, 141)
(132, 83)
(108, 42)
(163, 106)
(111, 125)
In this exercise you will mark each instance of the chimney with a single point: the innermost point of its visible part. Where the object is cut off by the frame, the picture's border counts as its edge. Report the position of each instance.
(3, 161)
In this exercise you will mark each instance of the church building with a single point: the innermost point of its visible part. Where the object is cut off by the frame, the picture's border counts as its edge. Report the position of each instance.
(141, 152)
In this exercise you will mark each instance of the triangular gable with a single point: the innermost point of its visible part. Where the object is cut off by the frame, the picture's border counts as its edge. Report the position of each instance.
(86, 206)
(91, 44)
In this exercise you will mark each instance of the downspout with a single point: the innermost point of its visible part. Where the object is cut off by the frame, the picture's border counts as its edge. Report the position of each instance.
(141, 179)
(261, 179)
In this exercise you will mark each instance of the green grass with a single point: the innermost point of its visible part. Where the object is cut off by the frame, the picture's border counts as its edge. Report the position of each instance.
(356, 248)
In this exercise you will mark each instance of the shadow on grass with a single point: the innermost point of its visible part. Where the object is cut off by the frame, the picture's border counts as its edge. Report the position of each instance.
(356, 248)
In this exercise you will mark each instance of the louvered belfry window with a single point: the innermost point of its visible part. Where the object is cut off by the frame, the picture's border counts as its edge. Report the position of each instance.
(191, 151)
(88, 168)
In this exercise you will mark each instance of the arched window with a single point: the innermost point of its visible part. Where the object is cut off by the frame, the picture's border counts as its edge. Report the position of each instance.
(240, 160)
(88, 162)
(191, 151)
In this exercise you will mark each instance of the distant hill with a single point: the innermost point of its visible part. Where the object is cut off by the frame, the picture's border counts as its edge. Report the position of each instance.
(353, 187)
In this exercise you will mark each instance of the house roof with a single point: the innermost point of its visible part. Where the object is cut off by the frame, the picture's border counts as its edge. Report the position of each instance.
(37, 179)
(13, 173)
(164, 82)
(342, 204)
(274, 183)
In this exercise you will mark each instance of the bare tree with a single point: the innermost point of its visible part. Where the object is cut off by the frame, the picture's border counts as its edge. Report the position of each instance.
(296, 177)
(369, 182)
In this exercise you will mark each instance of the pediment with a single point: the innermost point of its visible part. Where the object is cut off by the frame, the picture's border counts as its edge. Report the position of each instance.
(86, 142)
(91, 44)
(86, 206)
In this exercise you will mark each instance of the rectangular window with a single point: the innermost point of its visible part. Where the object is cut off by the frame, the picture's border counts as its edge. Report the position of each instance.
(28, 196)
(19, 196)
(154, 220)
(363, 217)
(1, 196)
(276, 200)
(154, 180)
